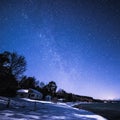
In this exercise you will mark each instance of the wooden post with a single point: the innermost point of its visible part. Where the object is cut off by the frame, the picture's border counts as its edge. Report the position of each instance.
(8, 103)
(35, 106)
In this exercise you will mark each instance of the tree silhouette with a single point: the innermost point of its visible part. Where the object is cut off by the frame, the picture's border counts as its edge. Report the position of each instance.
(11, 68)
(13, 63)
(27, 82)
(51, 88)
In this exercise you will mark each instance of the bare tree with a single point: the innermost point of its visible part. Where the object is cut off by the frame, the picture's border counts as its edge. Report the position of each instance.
(14, 63)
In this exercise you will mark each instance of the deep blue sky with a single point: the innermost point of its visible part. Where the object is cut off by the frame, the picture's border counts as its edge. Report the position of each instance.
(75, 43)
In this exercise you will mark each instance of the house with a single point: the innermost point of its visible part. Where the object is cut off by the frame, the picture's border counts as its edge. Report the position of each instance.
(61, 100)
(48, 98)
(23, 93)
(34, 94)
(29, 93)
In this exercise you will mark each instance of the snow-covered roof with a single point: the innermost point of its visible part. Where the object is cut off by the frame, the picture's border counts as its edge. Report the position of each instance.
(35, 91)
(22, 91)
(28, 91)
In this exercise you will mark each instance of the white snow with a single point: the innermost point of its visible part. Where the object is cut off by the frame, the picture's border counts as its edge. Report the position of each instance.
(23, 91)
(26, 109)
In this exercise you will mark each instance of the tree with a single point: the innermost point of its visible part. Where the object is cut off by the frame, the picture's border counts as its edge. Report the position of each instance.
(27, 82)
(8, 85)
(12, 66)
(41, 85)
(3, 64)
(51, 88)
(15, 63)
(61, 93)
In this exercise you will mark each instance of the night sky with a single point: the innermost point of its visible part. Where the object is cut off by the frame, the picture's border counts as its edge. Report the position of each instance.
(75, 43)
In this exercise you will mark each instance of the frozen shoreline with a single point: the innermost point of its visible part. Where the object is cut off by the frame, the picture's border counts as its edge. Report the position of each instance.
(111, 111)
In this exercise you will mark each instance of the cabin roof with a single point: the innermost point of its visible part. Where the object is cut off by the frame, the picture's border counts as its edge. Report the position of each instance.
(22, 90)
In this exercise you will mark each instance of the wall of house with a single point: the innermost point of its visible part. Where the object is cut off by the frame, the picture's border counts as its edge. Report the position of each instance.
(22, 95)
(32, 94)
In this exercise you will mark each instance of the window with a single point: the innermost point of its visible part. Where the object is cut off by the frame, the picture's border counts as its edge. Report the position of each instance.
(32, 95)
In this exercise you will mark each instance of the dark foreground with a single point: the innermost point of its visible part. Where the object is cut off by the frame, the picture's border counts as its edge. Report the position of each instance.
(110, 111)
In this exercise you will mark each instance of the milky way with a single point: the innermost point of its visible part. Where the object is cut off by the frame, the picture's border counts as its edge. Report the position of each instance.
(75, 43)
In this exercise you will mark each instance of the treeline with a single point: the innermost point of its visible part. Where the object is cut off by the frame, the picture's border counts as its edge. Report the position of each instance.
(12, 67)
(70, 97)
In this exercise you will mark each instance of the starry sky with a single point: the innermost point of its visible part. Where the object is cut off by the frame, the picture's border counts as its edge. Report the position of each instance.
(75, 43)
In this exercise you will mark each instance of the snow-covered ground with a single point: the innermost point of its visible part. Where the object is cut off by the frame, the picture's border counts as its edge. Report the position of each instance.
(26, 109)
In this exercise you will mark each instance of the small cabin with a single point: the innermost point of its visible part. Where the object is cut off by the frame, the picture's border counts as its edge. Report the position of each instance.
(34, 94)
(22, 93)
(29, 93)
(61, 100)
(48, 98)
